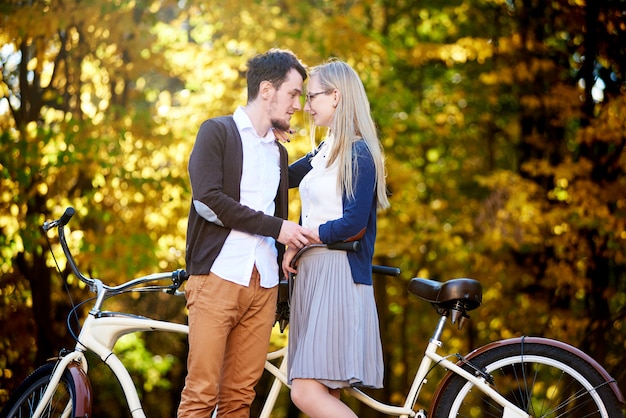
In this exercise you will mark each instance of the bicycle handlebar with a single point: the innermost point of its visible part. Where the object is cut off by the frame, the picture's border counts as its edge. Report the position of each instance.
(284, 296)
(346, 246)
(177, 276)
(386, 270)
(60, 224)
(67, 215)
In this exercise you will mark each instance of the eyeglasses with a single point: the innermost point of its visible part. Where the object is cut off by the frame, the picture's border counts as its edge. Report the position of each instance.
(311, 96)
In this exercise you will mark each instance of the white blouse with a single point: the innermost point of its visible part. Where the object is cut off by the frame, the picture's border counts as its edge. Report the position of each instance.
(319, 191)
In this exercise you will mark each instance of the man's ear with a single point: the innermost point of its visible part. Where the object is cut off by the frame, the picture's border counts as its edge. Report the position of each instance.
(265, 88)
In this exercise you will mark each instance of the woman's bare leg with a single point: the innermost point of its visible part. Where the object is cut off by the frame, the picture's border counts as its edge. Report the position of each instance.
(317, 400)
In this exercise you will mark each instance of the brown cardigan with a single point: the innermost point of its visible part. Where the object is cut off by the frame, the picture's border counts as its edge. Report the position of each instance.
(215, 168)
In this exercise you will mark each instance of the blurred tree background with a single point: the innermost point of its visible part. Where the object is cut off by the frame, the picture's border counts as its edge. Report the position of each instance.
(503, 123)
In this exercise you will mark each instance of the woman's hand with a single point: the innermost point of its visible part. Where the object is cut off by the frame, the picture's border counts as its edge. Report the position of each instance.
(283, 136)
(290, 253)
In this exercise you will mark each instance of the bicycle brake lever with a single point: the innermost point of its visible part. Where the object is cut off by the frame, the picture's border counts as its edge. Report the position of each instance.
(48, 225)
(178, 277)
(174, 292)
(62, 221)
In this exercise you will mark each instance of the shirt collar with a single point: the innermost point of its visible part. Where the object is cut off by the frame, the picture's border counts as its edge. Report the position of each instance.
(244, 124)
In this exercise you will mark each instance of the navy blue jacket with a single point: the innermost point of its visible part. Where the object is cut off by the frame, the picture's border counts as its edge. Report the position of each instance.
(359, 213)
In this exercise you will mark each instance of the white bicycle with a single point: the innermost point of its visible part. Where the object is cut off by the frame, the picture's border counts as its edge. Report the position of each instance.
(519, 377)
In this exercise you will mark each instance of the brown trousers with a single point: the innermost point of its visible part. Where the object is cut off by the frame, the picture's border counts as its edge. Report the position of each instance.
(229, 333)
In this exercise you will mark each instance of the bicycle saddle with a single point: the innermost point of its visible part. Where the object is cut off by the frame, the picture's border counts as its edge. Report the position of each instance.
(468, 292)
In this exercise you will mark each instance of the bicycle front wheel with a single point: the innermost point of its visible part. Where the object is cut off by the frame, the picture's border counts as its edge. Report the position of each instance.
(28, 395)
(543, 380)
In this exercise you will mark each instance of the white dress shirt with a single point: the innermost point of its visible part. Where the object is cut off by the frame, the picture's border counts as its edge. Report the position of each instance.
(259, 185)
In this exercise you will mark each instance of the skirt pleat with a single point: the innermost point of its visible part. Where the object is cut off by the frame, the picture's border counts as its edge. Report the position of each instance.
(334, 334)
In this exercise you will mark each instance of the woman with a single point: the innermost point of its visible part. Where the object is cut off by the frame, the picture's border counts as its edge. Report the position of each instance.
(334, 339)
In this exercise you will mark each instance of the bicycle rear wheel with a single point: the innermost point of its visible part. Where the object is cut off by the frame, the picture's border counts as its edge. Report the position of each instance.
(27, 397)
(543, 380)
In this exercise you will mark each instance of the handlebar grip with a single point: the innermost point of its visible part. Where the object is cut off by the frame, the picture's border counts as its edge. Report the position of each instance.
(69, 212)
(386, 270)
(345, 246)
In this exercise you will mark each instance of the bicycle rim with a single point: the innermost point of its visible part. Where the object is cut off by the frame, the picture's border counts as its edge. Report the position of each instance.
(27, 397)
(543, 381)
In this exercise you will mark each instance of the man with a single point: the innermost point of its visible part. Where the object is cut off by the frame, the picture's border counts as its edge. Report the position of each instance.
(239, 180)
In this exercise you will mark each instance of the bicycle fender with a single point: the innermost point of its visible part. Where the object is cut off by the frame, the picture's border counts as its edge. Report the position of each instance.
(530, 340)
(82, 407)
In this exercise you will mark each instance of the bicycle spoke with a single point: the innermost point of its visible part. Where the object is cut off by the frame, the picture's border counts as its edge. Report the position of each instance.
(546, 382)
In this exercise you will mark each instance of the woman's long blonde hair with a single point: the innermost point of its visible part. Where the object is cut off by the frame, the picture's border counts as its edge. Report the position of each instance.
(352, 121)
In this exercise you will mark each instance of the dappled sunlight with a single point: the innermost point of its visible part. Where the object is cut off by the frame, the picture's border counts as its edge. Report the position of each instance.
(504, 152)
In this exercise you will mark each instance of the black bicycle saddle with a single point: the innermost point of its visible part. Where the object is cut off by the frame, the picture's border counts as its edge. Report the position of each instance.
(446, 294)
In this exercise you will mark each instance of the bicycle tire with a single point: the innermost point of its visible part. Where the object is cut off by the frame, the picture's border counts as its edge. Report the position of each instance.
(543, 380)
(26, 398)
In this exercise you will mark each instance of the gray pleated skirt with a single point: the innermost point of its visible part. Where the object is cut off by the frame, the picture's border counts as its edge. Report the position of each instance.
(334, 334)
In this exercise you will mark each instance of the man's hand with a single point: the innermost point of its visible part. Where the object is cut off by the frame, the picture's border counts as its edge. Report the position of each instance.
(293, 235)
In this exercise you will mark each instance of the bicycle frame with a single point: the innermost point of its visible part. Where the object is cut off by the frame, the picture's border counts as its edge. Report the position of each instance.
(102, 329)
(99, 334)
(405, 411)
